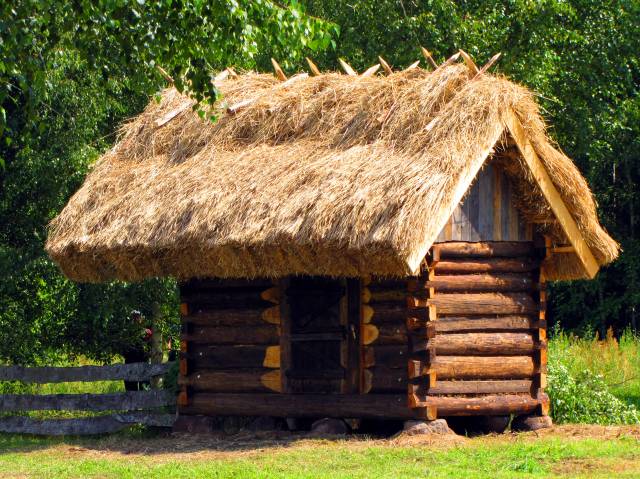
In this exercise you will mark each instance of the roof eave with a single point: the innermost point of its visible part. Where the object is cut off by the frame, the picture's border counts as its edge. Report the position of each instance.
(551, 194)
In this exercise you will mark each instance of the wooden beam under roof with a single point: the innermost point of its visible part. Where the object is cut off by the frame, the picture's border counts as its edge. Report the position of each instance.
(563, 249)
(539, 172)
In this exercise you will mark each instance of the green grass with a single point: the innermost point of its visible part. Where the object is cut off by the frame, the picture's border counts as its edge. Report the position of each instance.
(503, 457)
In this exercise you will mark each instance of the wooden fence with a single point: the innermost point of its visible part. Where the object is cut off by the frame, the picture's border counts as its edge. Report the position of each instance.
(134, 407)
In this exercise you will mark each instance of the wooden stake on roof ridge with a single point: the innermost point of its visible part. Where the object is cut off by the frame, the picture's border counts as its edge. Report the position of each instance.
(427, 55)
(295, 78)
(369, 72)
(385, 66)
(452, 59)
(315, 71)
(473, 68)
(164, 73)
(489, 64)
(232, 73)
(279, 73)
(232, 109)
(347, 68)
(412, 66)
(220, 77)
(224, 74)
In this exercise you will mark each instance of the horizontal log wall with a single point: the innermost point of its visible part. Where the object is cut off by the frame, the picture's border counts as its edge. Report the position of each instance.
(385, 337)
(230, 339)
(378, 406)
(481, 341)
(467, 338)
(487, 338)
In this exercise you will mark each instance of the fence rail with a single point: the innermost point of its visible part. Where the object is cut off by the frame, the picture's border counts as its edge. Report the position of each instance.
(133, 406)
(86, 425)
(112, 372)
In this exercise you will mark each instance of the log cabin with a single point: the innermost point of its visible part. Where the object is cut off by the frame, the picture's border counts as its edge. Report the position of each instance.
(350, 246)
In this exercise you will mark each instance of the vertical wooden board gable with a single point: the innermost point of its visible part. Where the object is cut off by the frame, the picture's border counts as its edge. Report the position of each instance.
(485, 202)
(487, 212)
(506, 208)
(515, 220)
(458, 219)
(473, 205)
(497, 205)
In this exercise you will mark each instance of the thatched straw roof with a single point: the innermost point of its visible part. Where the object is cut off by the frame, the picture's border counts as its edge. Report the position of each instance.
(327, 175)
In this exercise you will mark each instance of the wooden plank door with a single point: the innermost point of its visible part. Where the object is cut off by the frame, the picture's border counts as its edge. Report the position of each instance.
(322, 343)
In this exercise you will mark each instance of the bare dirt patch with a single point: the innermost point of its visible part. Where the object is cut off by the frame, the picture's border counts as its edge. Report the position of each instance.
(582, 431)
(595, 466)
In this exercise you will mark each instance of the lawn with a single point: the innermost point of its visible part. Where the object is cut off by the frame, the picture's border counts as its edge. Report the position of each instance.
(565, 451)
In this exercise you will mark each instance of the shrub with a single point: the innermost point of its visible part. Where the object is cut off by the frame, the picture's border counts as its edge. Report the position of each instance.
(579, 394)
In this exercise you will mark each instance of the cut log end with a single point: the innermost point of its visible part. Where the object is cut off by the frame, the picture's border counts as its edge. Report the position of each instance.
(272, 357)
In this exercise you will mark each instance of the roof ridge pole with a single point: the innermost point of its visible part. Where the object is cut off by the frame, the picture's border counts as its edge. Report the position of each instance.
(315, 71)
(427, 56)
(278, 71)
(347, 68)
(471, 65)
(551, 194)
(385, 66)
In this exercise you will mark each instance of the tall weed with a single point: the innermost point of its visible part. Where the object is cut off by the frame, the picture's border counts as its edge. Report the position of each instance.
(594, 381)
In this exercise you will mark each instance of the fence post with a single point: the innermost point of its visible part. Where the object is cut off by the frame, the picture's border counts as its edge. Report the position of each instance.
(156, 341)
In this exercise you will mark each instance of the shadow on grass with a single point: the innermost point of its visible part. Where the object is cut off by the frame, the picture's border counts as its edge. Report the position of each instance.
(228, 436)
(147, 441)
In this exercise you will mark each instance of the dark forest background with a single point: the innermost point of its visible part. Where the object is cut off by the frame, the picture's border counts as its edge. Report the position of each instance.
(71, 72)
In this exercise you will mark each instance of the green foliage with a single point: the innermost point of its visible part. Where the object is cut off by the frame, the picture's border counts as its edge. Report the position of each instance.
(44, 316)
(585, 398)
(69, 75)
(581, 57)
(593, 381)
(129, 39)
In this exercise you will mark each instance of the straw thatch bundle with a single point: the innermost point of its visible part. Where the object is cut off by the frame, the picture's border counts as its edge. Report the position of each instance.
(327, 175)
